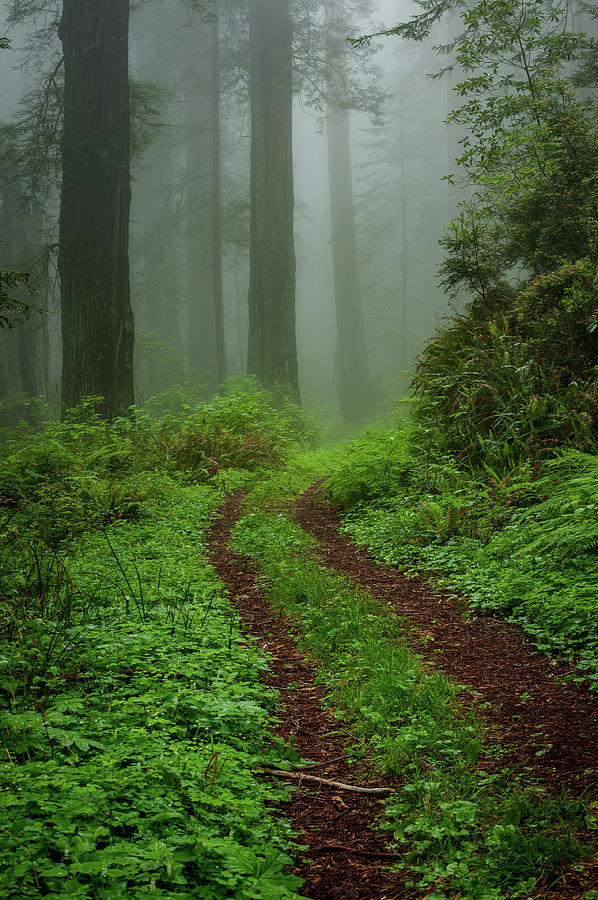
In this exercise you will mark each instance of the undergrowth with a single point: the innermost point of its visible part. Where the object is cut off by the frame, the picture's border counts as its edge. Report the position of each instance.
(133, 717)
(460, 826)
(522, 545)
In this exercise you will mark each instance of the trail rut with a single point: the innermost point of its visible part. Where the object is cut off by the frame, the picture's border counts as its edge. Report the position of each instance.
(346, 859)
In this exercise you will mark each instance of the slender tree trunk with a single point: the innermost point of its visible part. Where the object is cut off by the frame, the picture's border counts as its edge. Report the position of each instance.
(161, 260)
(217, 203)
(352, 372)
(203, 215)
(404, 249)
(272, 346)
(97, 321)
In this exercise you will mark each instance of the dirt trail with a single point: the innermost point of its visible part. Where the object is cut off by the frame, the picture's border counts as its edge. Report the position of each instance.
(547, 727)
(551, 727)
(348, 860)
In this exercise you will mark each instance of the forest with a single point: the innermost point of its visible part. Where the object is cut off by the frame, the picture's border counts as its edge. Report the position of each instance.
(299, 449)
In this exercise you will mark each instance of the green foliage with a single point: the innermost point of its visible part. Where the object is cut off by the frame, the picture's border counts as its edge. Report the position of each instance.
(475, 259)
(13, 308)
(22, 413)
(530, 139)
(521, 544)
(84, 473)
(517, 383)
(375, 468)
(132, 712)
(246, 427)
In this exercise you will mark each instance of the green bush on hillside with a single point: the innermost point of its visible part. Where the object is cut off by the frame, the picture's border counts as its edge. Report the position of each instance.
(519, 382)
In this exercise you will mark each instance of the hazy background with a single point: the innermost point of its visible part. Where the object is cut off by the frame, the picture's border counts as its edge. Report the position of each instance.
(400, 156)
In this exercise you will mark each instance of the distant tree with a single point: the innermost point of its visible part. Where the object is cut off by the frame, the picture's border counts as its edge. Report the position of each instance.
(25, 350)
(24, 346)
(203, 203)
(272, 348)
(97, 322)
(352, 371)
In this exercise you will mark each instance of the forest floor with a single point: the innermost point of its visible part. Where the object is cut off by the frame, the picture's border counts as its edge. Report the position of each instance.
(547, 728)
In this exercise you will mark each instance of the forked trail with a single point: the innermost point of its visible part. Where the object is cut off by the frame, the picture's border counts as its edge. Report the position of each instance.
(548, 726)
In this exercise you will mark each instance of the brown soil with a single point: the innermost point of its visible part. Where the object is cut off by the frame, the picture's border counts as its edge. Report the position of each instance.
(536, 712)
(547, 727)
(346, 860)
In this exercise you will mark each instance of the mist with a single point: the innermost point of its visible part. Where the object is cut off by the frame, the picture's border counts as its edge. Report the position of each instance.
(191, 249)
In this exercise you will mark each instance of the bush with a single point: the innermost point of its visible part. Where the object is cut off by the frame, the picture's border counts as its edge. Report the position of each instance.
(376, 467)
(519, 383)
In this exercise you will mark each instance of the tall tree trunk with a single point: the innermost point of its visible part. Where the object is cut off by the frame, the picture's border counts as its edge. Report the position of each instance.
(272, 345)
(203, 210)
(217, 201)
(97, 321)
(352, 372)
(404, 248)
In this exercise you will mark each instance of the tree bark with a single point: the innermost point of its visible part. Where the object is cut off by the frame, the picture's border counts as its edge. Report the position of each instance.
(97, 321)
(352, 372)
(272, 346)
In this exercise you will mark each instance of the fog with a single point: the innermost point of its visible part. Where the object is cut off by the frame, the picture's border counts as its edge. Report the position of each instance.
(191, 143)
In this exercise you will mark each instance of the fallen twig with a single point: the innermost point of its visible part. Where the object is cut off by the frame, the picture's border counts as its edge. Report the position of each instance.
(300, 776)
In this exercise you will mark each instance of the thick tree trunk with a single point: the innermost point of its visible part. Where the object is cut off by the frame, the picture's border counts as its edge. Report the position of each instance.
(97, 321)
(352, 373)
(272, 346)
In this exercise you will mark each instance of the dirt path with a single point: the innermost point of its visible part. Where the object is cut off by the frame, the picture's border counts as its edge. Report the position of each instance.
(348, 860)
(535, 711)
(548, 728)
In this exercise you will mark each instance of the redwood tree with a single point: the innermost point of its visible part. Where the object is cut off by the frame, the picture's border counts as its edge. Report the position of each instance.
(97, 322)
(272, 349)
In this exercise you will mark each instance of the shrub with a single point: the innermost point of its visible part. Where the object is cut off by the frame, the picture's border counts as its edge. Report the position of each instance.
(376, 467)
(518, 383)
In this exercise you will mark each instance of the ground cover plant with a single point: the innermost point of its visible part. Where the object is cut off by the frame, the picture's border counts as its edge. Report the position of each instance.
(522, 545)
(461, 827)
(133, 717)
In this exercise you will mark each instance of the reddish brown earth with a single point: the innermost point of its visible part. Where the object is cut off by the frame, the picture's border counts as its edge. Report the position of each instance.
(349, 861)
(530, 708)
(535, 711)
(548, 728)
